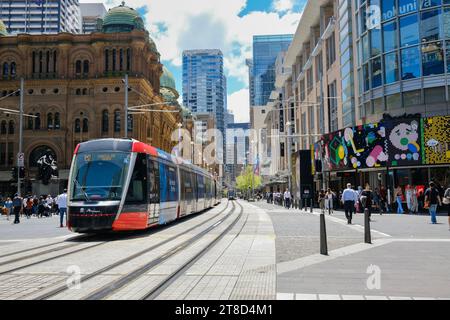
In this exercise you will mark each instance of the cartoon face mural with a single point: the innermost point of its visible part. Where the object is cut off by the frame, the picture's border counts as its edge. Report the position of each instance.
(403, 142)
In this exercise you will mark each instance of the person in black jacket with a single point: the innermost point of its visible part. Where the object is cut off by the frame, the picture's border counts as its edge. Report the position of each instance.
(366, 199)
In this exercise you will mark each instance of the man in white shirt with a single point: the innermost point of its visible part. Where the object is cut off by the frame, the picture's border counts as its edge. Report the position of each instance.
(349, 198)
(61, 201)
(287, 199)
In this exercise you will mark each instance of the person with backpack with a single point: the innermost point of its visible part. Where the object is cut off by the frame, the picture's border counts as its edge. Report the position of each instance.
(366, 200)
(432, 200)
(17, 208)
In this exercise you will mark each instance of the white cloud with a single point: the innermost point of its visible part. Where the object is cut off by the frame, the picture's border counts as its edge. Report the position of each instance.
(238, 104)
(207, 24)
(283, 6)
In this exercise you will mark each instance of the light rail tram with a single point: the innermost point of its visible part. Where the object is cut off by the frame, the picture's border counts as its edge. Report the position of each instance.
(125, 185)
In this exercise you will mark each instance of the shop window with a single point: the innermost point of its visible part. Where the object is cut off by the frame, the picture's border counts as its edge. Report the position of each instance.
(412, 98)
(434, 95)
(393, 102)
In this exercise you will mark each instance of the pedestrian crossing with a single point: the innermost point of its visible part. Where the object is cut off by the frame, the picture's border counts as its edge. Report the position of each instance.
(309, 296)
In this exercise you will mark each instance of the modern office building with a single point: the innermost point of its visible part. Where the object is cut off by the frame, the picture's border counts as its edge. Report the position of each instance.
(262, 74)
(90, 13)
(238, 145)
(41, 16)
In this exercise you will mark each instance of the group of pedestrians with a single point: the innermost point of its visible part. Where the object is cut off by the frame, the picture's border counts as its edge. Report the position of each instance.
(279, 198)
(43, 206)
(326, 201)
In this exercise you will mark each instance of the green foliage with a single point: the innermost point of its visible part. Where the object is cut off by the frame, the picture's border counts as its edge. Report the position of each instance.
(244, 181)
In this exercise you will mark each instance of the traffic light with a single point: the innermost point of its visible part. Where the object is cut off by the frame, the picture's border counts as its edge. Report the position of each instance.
(22, 173)
(14, 173)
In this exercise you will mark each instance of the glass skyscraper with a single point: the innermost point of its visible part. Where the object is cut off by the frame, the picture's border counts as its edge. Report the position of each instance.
(204, 84)
(262, 71)
(41, 16)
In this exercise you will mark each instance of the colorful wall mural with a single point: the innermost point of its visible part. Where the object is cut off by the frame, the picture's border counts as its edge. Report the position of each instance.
(436, 140)
(393, 142)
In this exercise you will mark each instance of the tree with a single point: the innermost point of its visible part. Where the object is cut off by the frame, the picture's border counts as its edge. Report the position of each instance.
(244, 181)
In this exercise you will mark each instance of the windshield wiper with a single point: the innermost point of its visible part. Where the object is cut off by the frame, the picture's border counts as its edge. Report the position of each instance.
(82, 189)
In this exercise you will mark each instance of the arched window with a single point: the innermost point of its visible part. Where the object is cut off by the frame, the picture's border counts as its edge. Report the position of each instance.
(117, 121)
(50, 121)
(54, 61)
(130, 123)
(34, 61)
(30, 123)
(11, 127)
(38, 153)
(121, 59)
(78, 67)
(114, 54)
(128, 59)
(40, 62)
(85, 92)
(5, 69)
(77, 126)
(106, 60)
(47, 62)
(3, 127)
(85, 125)
(57, 121)
(105, 121)
(85, 67)
(78, 92)
(13, 69)
(37, 122)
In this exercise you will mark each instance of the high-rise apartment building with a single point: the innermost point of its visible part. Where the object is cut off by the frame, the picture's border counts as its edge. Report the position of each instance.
(41, 16)
(262, 68)
(204, 84)
(90, 13)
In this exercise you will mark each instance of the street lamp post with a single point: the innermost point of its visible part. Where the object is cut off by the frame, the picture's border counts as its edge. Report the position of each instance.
(20, 135)
(126, 106)
(192, 151)
(288, 138)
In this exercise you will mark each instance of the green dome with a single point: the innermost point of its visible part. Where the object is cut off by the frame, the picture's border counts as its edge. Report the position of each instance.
(167, 80)
(122, 19)
(3, 31)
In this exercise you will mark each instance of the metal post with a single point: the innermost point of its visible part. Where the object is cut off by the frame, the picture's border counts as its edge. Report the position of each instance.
(323, 236)
(19, 191)
(289, 125)
(367, 235)
(126, 106)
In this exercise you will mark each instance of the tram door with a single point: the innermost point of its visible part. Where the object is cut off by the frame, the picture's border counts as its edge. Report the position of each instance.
(154, 192)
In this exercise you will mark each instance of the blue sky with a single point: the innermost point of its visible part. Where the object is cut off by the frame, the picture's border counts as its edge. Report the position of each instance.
(229, 25)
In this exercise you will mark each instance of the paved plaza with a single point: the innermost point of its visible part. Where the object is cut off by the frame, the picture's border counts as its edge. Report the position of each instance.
(270, 253)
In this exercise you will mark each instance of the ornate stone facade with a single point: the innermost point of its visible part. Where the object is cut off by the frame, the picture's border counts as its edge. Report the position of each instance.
(73, 84)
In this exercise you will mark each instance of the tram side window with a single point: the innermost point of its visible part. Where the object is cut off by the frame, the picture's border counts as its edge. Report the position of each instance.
(201, 186)
(153, 186)
(172, 185)
(187, 183)
(137, 190)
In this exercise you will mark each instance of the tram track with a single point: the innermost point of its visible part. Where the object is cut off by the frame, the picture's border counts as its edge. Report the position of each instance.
(151, 295)
(63, 287)
(123, 281)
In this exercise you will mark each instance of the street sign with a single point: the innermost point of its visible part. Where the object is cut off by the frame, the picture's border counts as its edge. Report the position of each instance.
(20, 160)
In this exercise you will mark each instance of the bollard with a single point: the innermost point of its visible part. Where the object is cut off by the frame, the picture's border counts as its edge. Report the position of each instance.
(367, 235)
(323, 236)
(312, 203)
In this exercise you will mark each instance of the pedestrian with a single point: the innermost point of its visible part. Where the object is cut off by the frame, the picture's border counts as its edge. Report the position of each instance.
(398, 195)
(329, 199)
(349, 198)
(432, 200)
(61, 200)
(8, 206)
(366, 199)
(29, 207)
(321, 201)
(377, 200)
(41, 207)
(287, 199)
(447, 203)
(17, 207)
(414, 200)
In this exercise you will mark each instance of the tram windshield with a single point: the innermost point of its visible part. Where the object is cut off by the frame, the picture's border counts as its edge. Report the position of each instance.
(99, 176)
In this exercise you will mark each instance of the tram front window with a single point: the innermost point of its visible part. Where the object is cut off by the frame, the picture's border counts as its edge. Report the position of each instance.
(99, 176)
